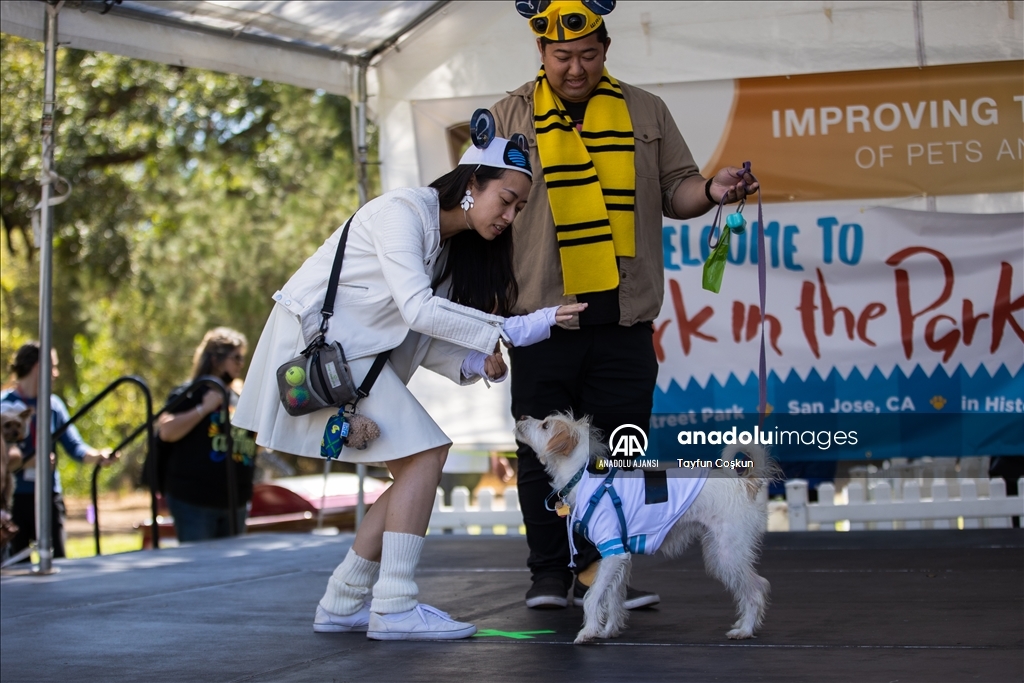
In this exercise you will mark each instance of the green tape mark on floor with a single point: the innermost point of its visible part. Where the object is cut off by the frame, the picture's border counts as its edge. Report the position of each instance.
(516, 635)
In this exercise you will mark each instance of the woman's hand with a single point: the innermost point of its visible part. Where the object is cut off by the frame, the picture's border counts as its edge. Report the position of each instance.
(565, 313)
(491, 367)
(494, 365)
(523, 330)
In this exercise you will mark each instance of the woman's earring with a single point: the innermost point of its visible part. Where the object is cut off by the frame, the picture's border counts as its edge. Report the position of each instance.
(467, 201)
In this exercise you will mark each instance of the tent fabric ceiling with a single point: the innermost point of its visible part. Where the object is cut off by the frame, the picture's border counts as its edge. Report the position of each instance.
(347, 28)
(309, 44)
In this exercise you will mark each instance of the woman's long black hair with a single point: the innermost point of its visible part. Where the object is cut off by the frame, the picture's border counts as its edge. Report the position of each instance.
(481, 270)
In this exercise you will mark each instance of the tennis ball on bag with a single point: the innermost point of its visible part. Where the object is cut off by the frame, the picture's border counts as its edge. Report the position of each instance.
(298, 397)
(295, 375)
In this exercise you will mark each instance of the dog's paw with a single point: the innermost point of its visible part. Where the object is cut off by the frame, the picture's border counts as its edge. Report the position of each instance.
(739, 634)
(585, 636)
(611, 632)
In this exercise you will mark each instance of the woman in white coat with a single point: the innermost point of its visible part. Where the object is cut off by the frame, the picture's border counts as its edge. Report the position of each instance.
(404, 249)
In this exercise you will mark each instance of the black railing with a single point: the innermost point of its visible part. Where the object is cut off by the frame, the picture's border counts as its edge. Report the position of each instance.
(147, 426)
(151, 461)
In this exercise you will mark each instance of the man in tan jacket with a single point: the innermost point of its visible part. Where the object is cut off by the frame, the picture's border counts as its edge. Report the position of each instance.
(611, 162)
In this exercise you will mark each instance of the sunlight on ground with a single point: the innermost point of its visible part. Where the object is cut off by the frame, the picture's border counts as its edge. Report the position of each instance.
(109, 545)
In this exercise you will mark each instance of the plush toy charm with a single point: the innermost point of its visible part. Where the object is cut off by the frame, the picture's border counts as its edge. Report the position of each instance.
(347, 429)
(362, 431)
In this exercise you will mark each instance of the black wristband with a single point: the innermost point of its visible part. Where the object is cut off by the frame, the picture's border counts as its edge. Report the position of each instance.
(707, 190)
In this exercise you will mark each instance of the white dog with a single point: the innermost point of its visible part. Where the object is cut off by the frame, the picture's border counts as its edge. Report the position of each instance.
(722, 511)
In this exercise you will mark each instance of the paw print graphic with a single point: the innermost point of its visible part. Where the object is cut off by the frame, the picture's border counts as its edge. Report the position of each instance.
(938, 402)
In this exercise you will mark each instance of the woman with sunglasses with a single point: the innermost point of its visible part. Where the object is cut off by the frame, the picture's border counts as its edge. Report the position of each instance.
(191, 442)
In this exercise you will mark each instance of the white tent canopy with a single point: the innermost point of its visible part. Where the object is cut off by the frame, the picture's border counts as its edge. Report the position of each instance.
(431, 63)
(309, 44)
(453, 56)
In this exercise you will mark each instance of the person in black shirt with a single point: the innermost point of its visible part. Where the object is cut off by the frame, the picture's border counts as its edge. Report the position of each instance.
(193, 446)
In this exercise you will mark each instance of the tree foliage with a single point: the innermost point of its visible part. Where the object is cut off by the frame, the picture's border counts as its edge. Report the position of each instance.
(196, 194)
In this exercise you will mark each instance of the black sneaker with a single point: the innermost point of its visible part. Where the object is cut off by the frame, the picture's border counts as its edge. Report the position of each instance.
(547, 592)
(635, 599)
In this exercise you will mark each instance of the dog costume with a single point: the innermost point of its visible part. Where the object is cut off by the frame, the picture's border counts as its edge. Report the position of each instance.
(631, 512)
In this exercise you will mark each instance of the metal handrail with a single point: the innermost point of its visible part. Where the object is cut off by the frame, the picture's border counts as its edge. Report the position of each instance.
(205, 380)
(148, 426)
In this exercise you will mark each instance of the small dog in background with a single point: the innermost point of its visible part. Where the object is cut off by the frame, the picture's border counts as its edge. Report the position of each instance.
(15, 418)
(722, 511)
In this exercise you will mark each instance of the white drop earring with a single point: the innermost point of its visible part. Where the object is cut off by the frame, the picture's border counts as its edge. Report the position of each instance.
(467, 201)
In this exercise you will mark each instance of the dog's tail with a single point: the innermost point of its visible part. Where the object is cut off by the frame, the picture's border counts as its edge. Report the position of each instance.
(764, 467)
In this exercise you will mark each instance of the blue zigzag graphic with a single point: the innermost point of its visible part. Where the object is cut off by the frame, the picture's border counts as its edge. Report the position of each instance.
(916, 393)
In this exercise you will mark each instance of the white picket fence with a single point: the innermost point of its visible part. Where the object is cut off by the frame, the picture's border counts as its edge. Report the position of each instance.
(488, 513)
(901, 503)
(896, 503)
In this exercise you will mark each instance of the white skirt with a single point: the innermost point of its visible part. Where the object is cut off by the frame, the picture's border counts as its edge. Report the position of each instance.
(405, 426)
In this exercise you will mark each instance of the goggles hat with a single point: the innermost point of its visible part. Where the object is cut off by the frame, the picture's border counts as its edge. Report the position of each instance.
(563, 20)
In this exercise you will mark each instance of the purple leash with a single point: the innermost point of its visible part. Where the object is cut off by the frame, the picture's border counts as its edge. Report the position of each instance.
(762, 277)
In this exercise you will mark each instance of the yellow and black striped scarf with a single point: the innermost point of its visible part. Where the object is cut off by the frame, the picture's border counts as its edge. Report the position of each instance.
(591, 183)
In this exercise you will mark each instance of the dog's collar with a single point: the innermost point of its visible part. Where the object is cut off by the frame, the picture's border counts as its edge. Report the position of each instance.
(561, 493)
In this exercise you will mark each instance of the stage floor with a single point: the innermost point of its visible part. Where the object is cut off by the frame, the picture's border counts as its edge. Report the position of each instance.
(862, 606)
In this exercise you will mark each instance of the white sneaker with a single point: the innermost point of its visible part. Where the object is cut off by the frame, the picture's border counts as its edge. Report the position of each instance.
(422, 622)
(326, 622)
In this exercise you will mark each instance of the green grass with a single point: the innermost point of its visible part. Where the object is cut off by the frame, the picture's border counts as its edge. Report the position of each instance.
(110, 544)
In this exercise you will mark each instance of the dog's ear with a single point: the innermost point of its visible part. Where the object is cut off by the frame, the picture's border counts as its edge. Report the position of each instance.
(27, 413)
(563, 439)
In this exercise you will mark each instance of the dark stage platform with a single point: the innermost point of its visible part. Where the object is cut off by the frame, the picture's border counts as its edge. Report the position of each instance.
(864, 606)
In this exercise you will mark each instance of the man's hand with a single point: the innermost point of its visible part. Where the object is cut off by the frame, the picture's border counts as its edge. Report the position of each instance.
(734, 183)
(690, 201)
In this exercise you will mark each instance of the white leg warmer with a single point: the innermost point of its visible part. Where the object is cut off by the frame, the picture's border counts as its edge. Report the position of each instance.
(349, 585)
(395, 590)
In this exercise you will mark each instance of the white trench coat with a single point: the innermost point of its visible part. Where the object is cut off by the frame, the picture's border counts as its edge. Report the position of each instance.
(384, 301)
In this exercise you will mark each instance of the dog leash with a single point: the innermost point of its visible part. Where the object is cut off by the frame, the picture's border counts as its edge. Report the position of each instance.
(714, 268)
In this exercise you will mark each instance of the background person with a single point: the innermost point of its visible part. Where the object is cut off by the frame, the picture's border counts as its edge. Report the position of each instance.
(25, 368)
(613, 162)
(193, 446)
(404, 249)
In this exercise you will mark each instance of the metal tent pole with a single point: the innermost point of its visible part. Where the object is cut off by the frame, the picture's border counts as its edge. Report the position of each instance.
(44, 475)
(359, 131)
(361, 149)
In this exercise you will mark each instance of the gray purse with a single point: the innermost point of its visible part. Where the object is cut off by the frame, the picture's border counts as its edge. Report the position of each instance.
(320, 376)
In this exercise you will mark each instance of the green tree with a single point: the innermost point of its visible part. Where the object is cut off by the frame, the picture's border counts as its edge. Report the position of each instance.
(195, 195)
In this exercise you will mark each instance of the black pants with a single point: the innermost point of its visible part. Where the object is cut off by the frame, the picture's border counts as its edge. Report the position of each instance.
(607, 372)
(23, 513)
